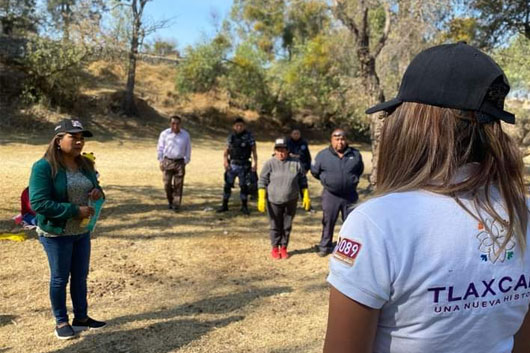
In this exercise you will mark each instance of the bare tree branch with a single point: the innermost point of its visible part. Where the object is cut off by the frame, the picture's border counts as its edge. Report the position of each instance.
(364, 31)
(340, 12)
(150, 27)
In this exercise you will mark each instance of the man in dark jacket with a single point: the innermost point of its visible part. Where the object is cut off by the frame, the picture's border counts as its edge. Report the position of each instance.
(339, 168)
(298, 149)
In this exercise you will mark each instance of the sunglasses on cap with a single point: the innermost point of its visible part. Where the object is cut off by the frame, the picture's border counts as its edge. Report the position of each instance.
(339, 134)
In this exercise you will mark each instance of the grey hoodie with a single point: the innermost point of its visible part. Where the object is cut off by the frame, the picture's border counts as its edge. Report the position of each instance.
(282, 179)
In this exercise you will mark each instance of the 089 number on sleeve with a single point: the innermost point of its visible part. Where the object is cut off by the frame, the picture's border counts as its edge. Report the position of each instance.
(347, 250)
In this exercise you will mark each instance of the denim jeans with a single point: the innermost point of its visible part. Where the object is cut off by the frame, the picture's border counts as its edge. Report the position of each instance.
(68, 257)
(241, 172)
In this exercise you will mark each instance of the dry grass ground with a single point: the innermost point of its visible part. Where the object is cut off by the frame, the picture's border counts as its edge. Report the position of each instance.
(194, 281)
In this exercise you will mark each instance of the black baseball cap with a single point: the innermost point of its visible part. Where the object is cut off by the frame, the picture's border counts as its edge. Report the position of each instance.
(456, 76)
(280, 143)
(72, 126)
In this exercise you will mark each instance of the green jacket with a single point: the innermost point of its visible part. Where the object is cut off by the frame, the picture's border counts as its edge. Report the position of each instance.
(49, 198)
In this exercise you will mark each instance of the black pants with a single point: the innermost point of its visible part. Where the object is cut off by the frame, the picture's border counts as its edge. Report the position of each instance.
(331, 206)
(281, 221)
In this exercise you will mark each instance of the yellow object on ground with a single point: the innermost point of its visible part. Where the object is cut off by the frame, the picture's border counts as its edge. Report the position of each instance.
(261, 200)
(306, 201)
(13, 236)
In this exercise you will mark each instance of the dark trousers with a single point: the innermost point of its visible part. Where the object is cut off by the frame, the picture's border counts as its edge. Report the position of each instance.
(174, 170)
(68, 257)
(332, 205)
(281, 221)
(236, 171)
(302, 190)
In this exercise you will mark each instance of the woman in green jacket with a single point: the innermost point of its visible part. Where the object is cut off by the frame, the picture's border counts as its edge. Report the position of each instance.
(61, 184)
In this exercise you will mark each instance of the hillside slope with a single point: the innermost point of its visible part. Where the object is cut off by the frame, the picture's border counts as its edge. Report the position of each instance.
(98, 106)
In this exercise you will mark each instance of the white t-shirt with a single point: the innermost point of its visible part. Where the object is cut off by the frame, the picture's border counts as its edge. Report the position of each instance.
(430, 267)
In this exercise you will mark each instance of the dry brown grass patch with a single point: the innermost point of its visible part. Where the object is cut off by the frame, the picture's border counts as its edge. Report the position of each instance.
(193, 281)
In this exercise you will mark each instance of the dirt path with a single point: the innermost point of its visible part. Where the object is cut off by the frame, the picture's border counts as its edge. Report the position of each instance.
(193, 281)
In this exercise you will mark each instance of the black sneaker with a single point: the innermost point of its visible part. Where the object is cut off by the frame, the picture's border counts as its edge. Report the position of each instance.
(322, 252)
(64, 332)
(245, 210)
(170, 206)
(224, 207)
(90, 323)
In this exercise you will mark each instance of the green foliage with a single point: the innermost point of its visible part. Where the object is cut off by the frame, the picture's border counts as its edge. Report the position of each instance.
(264, 18)
(499, 20)
(246, 79)
(316, 80)
(74, 17)
(164, 47)
(17, 17)
(462, 29)
(202, 66)
(305, 21)
(121, 24)
(54, 71)
(258, 75)
(309, 81)
(515, 61)
(376, 20)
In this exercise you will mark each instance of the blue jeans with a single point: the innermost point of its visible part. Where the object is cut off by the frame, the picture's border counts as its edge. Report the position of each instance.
(68, 257)
(241, 172)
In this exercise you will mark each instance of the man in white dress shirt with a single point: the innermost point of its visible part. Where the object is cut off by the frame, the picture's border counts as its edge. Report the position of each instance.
(174, 152)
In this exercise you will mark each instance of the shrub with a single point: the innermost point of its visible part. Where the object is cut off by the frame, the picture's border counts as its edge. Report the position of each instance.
(246, 79)
(54, 71)
(202, 66)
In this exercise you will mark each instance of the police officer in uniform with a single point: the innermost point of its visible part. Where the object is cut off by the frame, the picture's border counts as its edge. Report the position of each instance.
(240, 149)
(299, 150)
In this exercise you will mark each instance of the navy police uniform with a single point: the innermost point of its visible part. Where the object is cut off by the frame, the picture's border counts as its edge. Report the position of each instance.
(301, 149)
(239, 152)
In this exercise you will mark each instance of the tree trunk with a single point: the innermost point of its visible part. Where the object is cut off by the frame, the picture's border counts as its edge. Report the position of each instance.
(65, 14)
(367, 60)
(129, 105)
(376, 95)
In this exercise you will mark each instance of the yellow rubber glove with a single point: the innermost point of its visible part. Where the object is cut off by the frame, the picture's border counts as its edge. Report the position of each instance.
(13, 236)
(261, 200)
(306, 201)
